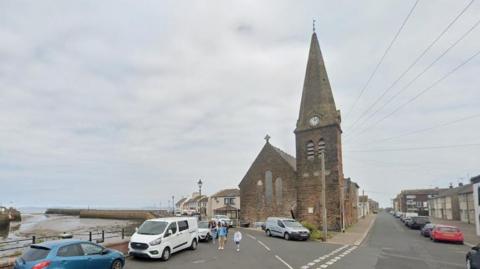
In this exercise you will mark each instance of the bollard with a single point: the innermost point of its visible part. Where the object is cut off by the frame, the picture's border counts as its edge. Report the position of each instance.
(33, 239)
(123, 233)
(90, 236)
(103, 236)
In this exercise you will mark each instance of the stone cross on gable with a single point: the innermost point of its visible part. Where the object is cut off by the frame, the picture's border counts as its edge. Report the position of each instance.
(267, 138)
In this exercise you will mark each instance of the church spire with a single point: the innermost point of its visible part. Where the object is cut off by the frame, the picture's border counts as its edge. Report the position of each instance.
(318, 106)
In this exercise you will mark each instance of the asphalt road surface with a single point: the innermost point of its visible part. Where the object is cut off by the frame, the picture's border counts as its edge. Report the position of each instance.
(389, 245)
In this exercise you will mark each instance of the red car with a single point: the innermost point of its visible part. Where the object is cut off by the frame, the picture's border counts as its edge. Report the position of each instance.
(447, 233)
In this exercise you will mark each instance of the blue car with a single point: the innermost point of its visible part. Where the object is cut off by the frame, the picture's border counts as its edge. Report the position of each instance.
(69, 254)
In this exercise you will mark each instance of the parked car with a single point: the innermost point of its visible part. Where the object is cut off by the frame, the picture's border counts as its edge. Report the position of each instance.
(417, 223)
(159, 238)
(286, 228)
(204, 231)
(425, 231)
(406, 220)
(223, 219)
(473, 257)
(447, 233)
(69, 254)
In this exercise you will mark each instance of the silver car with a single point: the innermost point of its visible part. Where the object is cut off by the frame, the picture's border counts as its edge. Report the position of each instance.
(286, 228)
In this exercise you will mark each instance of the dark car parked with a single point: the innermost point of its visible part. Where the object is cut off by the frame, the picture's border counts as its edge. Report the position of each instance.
(473, 258)
(425, 231)
(418, 222)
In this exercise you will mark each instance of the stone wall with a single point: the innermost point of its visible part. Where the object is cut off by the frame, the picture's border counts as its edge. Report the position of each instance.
(309, 177)
(254, 205)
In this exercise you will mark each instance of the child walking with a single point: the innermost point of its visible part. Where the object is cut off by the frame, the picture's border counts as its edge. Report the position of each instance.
(237, 237)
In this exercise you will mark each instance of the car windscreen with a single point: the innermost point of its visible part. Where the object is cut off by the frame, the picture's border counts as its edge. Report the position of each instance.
(448, 229)
(292, 224)
(203, 225)
(152, 227)
(221, 217)
(35, 253)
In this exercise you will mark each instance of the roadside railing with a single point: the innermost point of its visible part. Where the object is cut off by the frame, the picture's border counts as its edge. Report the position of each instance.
(10, 247)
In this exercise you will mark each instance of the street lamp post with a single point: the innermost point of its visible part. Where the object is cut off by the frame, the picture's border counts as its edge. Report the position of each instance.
(173, 205)
(200, 184)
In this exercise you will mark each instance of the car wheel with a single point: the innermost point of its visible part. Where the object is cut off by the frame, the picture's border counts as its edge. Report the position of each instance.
(166, 254)
(269, 233)
(286, 236)
(117, 264)
(194, 244)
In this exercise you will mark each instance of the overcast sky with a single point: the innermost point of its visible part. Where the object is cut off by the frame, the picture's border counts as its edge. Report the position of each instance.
(126, 103)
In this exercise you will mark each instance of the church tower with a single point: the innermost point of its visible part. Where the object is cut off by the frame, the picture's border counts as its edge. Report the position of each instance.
(318, 127)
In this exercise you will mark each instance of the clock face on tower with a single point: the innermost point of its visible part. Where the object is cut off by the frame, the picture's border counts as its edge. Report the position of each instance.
(314, 121)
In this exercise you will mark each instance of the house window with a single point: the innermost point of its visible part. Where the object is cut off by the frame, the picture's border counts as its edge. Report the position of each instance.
(310, 150)
(229, 200)
(279, 190)
(268, 188)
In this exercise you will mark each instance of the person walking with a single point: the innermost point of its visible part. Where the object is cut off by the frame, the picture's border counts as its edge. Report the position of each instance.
(222, 236)
(237, 237)
(213, 231)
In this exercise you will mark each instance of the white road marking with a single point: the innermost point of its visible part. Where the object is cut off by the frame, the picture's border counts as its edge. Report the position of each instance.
(251, 236)
(265, 246)
(284, 262)
(346, 250)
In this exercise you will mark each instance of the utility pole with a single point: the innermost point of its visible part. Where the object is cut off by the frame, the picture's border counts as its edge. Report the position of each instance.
(173, 205)
(363, 203)
(324, 200)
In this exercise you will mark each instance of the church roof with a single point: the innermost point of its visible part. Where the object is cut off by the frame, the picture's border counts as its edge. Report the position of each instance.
(317, 96)
(287, 157)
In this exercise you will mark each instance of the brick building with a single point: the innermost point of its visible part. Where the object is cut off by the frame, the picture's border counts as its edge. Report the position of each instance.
(278, 184)
(416, 201)
(351, 202)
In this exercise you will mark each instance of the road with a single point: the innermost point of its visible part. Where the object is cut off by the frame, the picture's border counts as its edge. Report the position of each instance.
(389, 245)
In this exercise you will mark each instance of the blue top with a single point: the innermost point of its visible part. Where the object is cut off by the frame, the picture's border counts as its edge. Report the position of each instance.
(222, 231)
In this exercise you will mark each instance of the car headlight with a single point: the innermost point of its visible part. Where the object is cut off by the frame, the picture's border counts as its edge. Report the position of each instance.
(155, 242)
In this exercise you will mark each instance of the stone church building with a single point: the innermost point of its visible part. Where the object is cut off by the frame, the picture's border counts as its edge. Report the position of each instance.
(278, 184)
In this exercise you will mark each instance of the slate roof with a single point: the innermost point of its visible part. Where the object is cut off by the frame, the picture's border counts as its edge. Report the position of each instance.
(455, 191)
(287, 157)
(227, 193)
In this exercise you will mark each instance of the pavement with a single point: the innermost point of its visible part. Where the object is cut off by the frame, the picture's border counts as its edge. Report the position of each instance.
(355, 234)
(469, 230)
(388, 245)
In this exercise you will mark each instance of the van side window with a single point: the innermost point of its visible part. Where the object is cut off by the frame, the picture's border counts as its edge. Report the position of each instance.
(173, 227)
(279, 223)
(182, 225)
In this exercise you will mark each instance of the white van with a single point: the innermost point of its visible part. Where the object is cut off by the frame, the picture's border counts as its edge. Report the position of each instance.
(159, 238)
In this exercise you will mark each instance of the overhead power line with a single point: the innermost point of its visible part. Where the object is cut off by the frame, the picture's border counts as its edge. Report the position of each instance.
(382, 58)
(419, 57)
(416, 148)
(425, 70)
(426, 129)
(422, 92)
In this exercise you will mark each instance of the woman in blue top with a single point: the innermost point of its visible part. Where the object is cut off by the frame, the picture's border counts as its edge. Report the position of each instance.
(222, 235)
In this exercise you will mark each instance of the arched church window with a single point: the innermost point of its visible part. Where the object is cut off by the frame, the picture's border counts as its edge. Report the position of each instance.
(310, 150)
(279, 190)
(321, 146)
(268, 188)
(259, 195)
